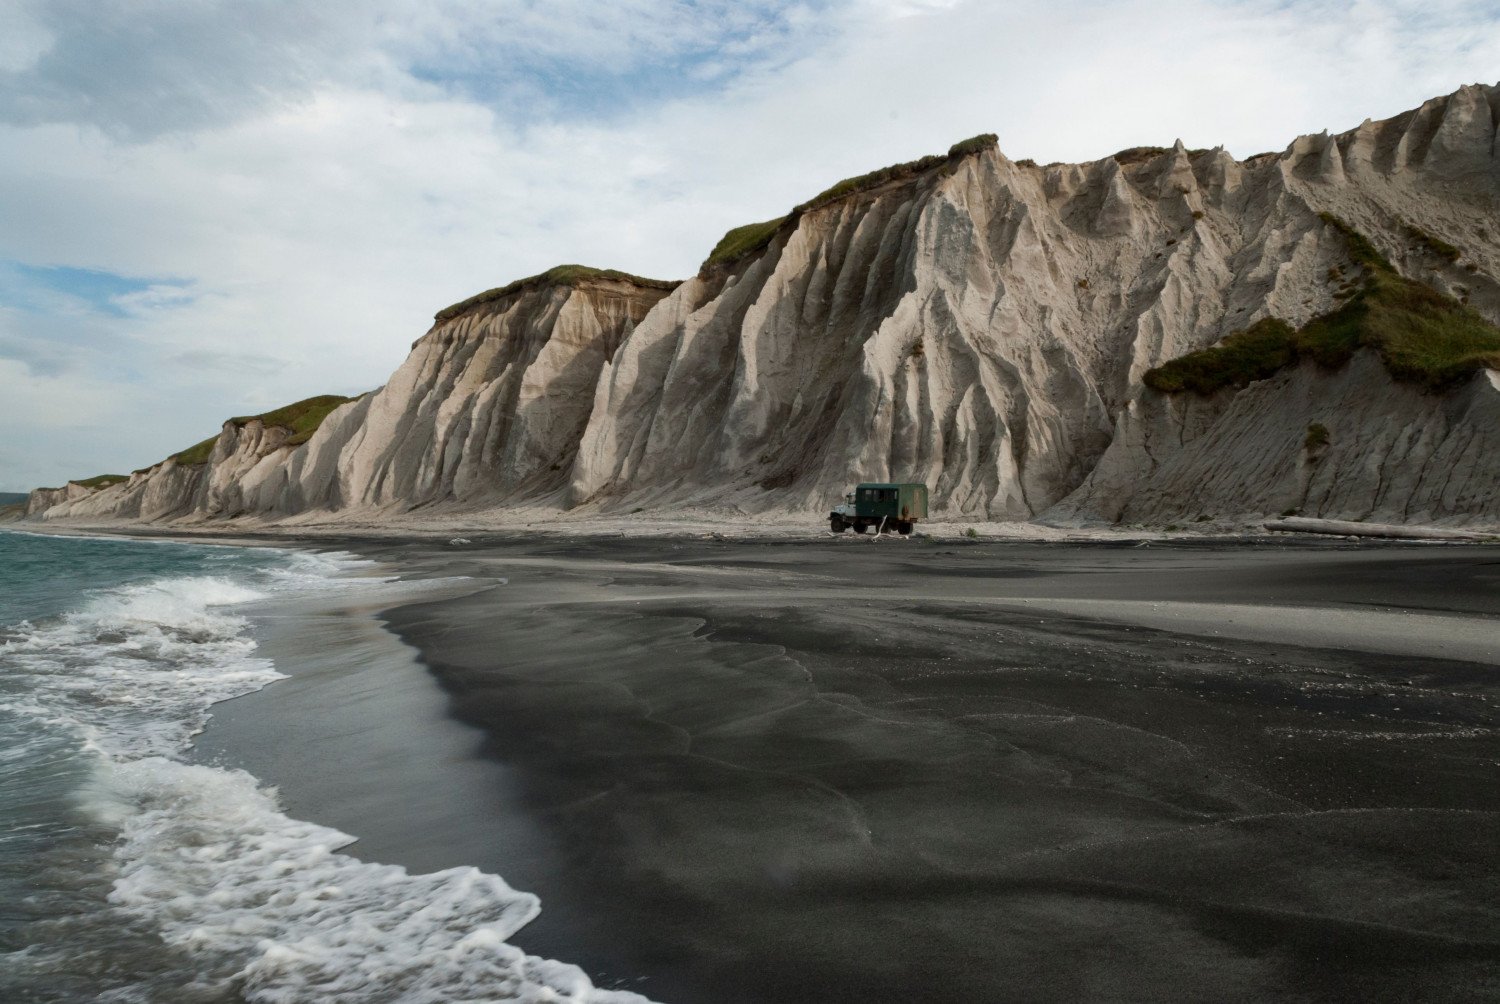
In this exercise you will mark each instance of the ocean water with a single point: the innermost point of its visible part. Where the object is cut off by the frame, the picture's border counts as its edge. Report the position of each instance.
(128, 874)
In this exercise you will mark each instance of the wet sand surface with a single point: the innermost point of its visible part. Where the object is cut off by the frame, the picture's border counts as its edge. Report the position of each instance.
(860, 770)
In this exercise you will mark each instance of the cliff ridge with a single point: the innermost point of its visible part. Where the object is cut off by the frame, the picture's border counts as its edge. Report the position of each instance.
(996, 328)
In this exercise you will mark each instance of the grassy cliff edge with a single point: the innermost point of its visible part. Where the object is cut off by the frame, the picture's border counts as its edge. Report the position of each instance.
(301, 419)
(742, 242)
(562, 275)
(1421, 335)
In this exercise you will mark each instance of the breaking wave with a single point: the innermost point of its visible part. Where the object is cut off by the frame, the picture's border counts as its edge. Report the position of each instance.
(150, 878)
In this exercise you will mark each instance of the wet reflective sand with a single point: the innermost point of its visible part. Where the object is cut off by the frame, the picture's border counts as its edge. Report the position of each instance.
(841, 770)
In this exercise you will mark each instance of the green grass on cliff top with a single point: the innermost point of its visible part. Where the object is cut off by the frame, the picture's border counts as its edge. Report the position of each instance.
(562, 275)
(742, 242)
(102, 480)
(1421, 335)
(300, 419)
(196, 454)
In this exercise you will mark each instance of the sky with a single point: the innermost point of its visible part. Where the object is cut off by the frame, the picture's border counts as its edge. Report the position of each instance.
(212, 208)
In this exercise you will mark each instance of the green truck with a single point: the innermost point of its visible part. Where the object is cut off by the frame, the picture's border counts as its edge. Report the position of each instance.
(888, 507)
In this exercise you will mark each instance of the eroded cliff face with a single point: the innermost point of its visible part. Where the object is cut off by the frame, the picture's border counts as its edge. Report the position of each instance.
(986, 332)
(983, 327)
(172, 490)
(489, 407)
(1386, 452)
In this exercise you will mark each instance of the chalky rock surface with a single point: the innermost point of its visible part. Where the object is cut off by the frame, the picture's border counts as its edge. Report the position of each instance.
(488, 407)
(983, 327)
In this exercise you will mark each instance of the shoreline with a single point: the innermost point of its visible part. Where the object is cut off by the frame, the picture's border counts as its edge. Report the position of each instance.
(310, 735)
(358, 736)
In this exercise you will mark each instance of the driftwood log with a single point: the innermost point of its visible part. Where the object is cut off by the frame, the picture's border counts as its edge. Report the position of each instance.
(1344, 528)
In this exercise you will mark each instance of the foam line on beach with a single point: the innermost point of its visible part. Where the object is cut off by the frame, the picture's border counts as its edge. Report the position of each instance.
(256, 902)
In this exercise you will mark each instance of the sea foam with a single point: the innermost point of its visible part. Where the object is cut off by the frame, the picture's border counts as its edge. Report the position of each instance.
(260, 905)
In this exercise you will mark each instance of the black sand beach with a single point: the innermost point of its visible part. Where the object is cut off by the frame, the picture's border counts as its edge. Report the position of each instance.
(857, 770)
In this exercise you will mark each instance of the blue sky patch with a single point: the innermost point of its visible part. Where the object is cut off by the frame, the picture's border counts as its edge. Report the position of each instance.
(530, 71)
(548, 93)
(46, 288)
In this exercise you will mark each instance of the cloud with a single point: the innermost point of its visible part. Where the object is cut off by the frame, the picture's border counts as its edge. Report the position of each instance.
(154, 297)
(139, 69)
(51, 427)
(219, 362)
(22, 39)
(288, 192)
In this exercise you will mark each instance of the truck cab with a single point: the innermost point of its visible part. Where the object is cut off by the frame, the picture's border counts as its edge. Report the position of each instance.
(890, 507)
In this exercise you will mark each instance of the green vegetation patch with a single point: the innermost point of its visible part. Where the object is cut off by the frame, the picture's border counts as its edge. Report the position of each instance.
(1245, 356)
(742, 242)
(874, 179)
(102, 480)
(1422, 336)
(1436, 245)
(1139, 155)
(1317, 436)
(300, 419)
(562, 275)
(973, 145)
(196, 454)
(901, 172)
(1361, 250)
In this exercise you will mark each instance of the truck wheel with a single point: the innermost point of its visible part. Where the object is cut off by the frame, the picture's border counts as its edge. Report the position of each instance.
(836, 525)
(903, 528)
(859, 528)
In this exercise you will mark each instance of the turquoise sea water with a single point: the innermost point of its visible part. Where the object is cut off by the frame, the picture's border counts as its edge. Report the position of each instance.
(129, 874)
(43, 576)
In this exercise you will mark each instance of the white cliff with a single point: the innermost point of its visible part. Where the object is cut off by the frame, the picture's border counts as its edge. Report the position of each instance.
(979, 324)
(489, 406)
